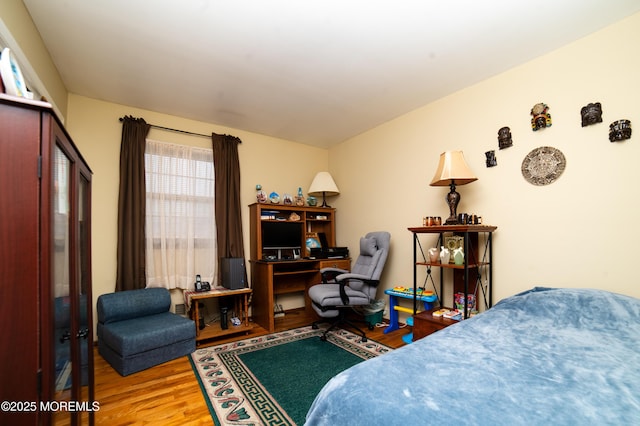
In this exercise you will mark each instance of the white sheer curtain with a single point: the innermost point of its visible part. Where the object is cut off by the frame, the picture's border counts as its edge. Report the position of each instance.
(180, 215)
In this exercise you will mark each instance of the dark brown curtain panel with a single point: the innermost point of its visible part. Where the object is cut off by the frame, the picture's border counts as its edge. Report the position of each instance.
(227, 189)
(131, 206)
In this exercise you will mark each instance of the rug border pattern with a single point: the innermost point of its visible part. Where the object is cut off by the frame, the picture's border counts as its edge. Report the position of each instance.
(228, 403)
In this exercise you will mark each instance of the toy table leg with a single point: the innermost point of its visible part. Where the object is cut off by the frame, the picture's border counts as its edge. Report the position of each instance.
(408, 338)
(393, 315)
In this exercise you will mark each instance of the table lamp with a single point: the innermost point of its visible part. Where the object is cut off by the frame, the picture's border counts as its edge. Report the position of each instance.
(324, 185)
(452, 170)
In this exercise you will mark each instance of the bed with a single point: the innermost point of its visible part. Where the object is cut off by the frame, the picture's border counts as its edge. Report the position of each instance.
(544, 356)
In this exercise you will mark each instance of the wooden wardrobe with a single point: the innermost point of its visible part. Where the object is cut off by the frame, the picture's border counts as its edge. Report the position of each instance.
(46, 337)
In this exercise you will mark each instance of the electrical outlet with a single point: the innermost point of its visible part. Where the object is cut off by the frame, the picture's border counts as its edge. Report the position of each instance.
(180, 309)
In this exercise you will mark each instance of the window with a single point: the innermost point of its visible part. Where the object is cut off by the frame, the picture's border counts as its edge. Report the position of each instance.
(180, 215)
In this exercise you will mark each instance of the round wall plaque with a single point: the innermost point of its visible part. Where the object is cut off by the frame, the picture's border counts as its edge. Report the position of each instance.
(543, 165)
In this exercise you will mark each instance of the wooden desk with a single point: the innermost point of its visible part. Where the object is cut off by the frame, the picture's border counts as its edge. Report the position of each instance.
(270, 279)
(241, 307)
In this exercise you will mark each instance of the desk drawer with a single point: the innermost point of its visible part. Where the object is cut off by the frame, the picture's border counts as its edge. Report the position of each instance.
(336, 263)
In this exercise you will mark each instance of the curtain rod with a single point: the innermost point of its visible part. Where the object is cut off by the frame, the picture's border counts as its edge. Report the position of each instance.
(180, 131)
(169, 129)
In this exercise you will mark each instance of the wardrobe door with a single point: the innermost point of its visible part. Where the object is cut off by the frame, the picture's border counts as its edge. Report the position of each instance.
(61, 279)
(83, 298)
(71, 281)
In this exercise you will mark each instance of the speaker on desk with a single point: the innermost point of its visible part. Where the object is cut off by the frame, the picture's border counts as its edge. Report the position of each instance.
(232, 272)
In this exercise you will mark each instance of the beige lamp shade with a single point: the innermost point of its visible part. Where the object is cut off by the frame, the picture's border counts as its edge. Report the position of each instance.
(323, 184)
(452, 168)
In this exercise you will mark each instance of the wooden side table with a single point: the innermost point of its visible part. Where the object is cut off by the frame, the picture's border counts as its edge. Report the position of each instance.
(425, 323)
(241, 303)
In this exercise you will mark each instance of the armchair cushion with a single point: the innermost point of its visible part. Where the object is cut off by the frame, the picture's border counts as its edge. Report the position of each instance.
(114, 307)
(147, 333)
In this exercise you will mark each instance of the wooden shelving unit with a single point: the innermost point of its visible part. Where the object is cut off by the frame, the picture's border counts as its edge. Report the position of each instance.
(271, 278)
(476, 258)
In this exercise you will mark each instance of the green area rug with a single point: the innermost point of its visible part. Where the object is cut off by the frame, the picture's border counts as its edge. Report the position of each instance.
(273, 379)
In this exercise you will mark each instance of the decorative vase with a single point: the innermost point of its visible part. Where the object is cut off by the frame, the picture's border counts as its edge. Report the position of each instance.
(458, 256)
(445, 254)
(433, 255)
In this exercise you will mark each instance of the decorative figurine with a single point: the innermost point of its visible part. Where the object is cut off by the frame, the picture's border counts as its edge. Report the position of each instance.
(299, 198)
(287, 200)
(504, 138)
(445, 254)
(311, 201)
(458, 256)
(274, 197)
(619, 130)
(540, 117)
(591, 114)
(491, 158)
(433, 255)
(261, 196)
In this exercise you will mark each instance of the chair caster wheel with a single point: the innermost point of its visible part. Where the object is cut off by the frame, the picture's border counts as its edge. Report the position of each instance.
(364, 340)
(323, 338)
(371, 327)
(314, 326)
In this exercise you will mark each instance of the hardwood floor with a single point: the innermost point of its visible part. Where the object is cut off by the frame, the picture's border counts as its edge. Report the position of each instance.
(169, 394)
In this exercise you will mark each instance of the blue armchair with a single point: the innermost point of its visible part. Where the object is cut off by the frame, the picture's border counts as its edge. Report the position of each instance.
(136, 330)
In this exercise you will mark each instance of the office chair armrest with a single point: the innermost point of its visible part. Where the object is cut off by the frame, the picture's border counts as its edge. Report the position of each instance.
(343, 280)
(330, 274)
(351, 276)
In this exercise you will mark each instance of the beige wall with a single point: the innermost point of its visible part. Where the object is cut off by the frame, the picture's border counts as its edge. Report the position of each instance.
(580, 231)
(39, 69)
(577, 232)
(276, 164)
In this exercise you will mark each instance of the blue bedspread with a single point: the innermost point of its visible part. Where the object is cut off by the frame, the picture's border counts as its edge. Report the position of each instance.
(542, 357)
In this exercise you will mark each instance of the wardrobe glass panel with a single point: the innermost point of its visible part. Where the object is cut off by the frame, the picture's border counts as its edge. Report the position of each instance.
(61, 270)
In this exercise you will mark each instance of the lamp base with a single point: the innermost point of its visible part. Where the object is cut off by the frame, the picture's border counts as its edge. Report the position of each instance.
(453, 198)
(451, 221)
(324, 201)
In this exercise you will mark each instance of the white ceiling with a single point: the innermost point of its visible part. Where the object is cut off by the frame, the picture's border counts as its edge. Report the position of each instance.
(312, 71)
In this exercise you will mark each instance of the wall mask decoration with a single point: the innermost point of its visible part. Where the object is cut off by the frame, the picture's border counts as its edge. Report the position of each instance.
(619, 130)
(540, 117)
(491, 158)
(504, 138)
(591, 114)
(543, 165)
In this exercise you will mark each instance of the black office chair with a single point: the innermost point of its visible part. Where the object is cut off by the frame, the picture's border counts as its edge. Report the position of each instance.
(342, 289)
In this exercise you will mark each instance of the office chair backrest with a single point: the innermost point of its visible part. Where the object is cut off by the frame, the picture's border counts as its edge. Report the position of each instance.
(374, 248)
